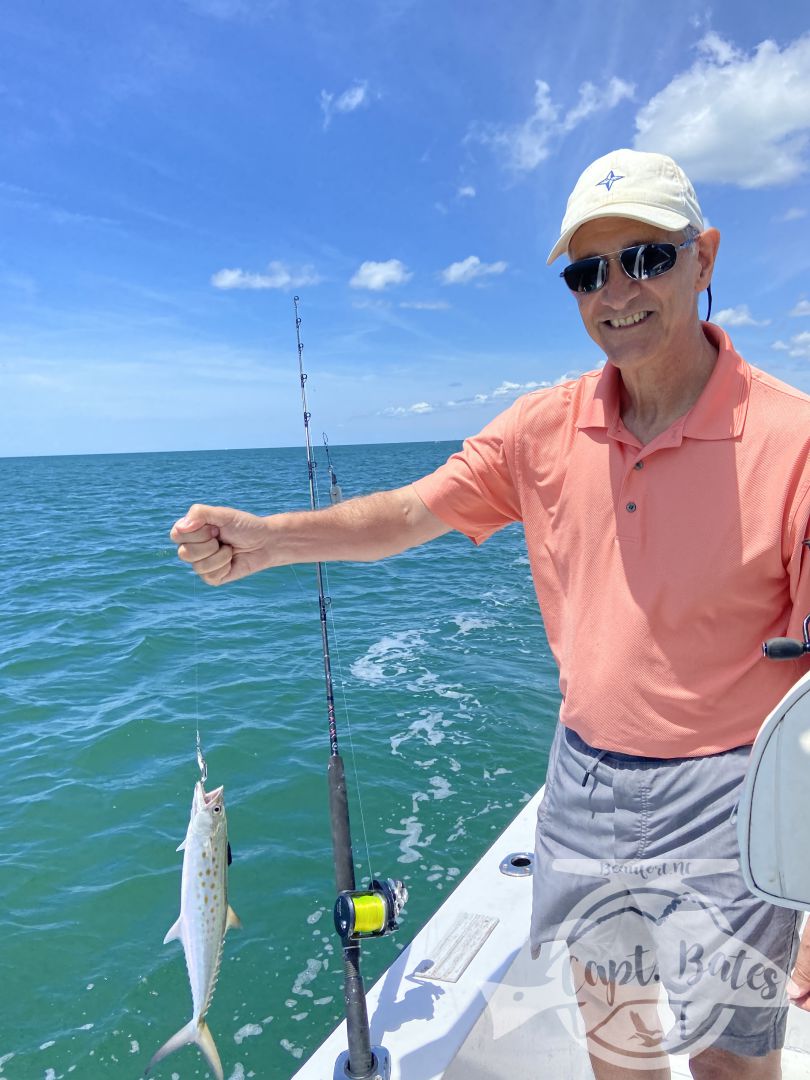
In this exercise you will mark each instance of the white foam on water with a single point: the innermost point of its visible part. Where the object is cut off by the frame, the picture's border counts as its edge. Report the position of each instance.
(245, 1032)
(466, 623)
(47, 1045)
(412, 840)
(50, 1074)
(459, 830)
(86, 1027)
(4, 1059)
(428, 681)
(238, 1072)
(441, 787)
(134, 1048)
(309, 973)
(296, 1051)
(315, 916)
(427, 729)
(388, 657)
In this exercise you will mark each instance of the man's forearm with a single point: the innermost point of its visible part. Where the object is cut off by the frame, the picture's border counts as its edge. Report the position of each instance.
(362, 530)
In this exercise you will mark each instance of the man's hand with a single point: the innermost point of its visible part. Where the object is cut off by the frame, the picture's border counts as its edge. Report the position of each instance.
(221, 544)
(798, 986)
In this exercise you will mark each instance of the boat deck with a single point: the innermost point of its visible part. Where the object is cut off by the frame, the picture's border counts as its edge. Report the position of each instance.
(504, 1015)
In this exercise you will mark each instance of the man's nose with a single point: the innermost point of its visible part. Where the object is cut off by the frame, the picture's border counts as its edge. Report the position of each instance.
(620, 288)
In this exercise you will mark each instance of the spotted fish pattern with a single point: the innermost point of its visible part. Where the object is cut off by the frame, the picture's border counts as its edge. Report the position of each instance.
(205, 916)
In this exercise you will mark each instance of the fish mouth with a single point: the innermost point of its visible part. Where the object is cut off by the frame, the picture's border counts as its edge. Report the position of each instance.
(211, 797)
(204, 800)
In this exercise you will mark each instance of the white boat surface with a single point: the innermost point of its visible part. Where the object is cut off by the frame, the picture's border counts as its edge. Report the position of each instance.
(505, 1015)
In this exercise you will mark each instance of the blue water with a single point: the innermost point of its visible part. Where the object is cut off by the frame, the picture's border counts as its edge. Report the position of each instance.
(111, 652)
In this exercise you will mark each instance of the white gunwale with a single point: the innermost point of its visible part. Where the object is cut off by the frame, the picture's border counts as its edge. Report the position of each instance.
(495, 1021)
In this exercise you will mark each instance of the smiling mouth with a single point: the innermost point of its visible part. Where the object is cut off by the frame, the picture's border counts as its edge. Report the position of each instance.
(629, 320)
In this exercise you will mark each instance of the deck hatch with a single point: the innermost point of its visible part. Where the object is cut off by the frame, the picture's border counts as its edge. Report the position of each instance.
(454, 953)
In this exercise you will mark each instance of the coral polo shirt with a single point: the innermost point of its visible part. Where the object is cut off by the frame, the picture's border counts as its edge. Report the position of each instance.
(659, 569)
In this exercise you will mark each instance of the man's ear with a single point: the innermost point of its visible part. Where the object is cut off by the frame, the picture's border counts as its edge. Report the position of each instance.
(707, 245)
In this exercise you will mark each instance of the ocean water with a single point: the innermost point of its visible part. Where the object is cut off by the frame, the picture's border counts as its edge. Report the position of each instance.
(111, 652)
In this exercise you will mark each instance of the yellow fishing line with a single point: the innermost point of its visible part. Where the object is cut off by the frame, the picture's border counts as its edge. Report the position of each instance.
(369, 914)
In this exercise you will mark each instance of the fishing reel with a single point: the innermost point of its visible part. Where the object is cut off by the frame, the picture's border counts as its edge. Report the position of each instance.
(785, 648)
(371, 912)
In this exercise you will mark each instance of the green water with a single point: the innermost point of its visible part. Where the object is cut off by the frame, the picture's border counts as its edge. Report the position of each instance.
(110, 653)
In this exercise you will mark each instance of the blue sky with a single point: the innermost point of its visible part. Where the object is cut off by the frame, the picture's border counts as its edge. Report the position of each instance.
(173, 172)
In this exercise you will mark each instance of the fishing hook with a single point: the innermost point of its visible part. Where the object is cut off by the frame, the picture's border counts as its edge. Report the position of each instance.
(201, 761)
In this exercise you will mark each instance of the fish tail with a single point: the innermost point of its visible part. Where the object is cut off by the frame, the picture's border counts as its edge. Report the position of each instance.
(197, 1032)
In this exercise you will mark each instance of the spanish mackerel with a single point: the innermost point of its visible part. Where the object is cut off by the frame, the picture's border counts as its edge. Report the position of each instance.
(204, 917)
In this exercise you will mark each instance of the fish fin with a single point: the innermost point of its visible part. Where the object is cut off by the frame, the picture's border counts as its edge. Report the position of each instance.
(182, 845)
(230, 854)
(232, 922)
(194, 1032)
(205, 1040)
(175, 931)
(183, 1037)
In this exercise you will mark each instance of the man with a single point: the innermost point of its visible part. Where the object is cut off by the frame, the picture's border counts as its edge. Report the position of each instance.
(666, 501)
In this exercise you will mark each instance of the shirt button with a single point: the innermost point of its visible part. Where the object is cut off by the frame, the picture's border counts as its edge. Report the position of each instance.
(639, 465)
(630, 508)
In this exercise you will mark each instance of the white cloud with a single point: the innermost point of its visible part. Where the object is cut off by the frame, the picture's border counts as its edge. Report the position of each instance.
(500, 396)
(738, 316)
(409, 410)
(733, 117)
(351, 99)
(795, 213)
(524, 146)
(799, 345)
(278, 276)
(425, 305)
(461, 273)
(379, 275)
(802, 308)
(466, 192)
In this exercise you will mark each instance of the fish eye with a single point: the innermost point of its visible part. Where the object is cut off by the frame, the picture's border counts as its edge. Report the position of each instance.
(217, 809)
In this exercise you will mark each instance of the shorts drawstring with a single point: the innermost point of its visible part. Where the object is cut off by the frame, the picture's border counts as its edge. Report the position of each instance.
(591, 770)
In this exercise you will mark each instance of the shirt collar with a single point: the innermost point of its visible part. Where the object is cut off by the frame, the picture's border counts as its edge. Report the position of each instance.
(719, 412)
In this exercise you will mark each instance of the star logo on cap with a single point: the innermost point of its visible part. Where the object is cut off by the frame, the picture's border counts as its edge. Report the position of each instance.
(610, 180)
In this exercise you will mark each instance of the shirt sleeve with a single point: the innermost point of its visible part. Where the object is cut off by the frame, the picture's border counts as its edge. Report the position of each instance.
(475, 491)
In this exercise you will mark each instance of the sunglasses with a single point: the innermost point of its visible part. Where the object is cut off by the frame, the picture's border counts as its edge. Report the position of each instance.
(639, 262)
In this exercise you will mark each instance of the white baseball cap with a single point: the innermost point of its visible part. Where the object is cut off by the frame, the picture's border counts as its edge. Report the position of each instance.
(631, 184)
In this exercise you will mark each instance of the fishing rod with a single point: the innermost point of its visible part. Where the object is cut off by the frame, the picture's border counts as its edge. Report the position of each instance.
(335, 492)
(370, 912)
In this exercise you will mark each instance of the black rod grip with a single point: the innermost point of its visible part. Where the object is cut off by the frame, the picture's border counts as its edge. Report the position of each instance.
(361, 1064)
(339, 821)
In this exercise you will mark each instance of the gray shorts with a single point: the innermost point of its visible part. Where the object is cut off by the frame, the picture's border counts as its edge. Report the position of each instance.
(637, 873)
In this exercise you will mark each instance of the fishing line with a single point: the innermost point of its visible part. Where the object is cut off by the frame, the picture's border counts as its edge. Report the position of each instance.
(351, 736)
(201, 762)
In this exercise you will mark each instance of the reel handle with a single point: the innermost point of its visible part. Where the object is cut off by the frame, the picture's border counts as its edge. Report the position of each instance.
(786, 648)
(783, 648)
